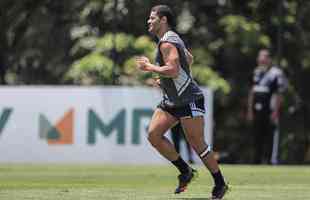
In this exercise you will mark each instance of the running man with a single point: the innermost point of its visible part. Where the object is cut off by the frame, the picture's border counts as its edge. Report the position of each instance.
(182, 102)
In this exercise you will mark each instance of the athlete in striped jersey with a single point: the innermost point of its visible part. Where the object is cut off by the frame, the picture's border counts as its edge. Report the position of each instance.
(182, 102)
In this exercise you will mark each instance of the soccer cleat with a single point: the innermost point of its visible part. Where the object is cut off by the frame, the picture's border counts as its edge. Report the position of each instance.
(218, 192)
(184, 180)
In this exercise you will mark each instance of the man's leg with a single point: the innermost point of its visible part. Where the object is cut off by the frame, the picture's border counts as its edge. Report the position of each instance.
(189, 151)
(161, 122)
(176, 136)
(258, 139)
(194, 130)
(266, 139)
(271, 127)
(275, 145)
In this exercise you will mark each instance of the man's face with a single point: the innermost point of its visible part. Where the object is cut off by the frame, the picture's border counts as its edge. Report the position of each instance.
(263, 58)
(153, 23)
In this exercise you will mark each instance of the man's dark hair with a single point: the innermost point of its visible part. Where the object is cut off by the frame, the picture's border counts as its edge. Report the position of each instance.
(165, 11)
(268, 50)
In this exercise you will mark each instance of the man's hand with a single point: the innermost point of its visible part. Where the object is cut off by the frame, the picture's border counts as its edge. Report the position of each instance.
(250, 116)
(275, 116)
(276, 110)
(153, 82)
(156, 82)
(143, 63)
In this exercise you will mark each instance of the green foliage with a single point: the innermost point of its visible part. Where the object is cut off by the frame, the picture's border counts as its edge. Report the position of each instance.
(93, 68)
(306, 61)
(144, 45)
(244, 33)
(35, 40)
(207, 76)
(126, 48)
(202, 57)
(122, 42)
(204, 74)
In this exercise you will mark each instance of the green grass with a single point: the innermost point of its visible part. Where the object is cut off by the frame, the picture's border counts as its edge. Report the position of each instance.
(106, 182)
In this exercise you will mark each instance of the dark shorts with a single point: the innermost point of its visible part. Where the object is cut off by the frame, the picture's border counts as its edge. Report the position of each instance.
(190, 110)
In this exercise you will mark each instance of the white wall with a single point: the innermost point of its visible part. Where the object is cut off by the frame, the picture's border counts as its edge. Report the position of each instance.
(29, 110)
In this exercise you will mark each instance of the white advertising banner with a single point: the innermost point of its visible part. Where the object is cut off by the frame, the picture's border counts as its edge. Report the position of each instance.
(81, 124)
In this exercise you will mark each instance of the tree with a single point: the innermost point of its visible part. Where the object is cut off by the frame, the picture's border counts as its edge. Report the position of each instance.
(35, 40)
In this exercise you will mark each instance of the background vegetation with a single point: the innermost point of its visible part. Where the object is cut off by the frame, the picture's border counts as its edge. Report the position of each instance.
(93, 42)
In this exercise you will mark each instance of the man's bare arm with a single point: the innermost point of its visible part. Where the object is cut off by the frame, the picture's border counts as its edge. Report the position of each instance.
(170, 58)
(278, 103)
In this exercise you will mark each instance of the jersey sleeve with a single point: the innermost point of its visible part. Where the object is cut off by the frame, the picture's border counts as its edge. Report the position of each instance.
(173, 39)
(281, 82)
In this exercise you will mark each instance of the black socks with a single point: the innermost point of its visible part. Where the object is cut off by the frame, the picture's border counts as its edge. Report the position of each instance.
(218, 178)
(182, 166)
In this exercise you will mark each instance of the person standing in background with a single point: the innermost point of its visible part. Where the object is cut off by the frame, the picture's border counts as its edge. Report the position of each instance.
(264, 104)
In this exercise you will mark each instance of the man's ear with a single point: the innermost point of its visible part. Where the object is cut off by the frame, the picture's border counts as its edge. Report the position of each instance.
(164, 19)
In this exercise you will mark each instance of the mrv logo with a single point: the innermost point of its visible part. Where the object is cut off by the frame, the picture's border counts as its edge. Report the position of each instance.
(62, 132)
(4, 117)
(118, 125)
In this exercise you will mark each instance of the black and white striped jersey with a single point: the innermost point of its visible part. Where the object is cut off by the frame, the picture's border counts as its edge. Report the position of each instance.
(182, 89)
(266, 82)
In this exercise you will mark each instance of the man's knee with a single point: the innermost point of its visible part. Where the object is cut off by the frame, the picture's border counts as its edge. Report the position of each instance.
(197, 143)
(206, 152)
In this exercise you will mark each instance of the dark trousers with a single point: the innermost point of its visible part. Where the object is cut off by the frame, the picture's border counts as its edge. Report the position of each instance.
(263, 129)
(177, 134)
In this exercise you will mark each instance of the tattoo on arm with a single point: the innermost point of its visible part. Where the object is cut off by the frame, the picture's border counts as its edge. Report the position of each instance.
(171, 60)
(166, 52)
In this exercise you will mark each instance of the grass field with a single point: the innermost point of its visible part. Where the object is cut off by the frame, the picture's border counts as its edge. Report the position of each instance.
(100, 182)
